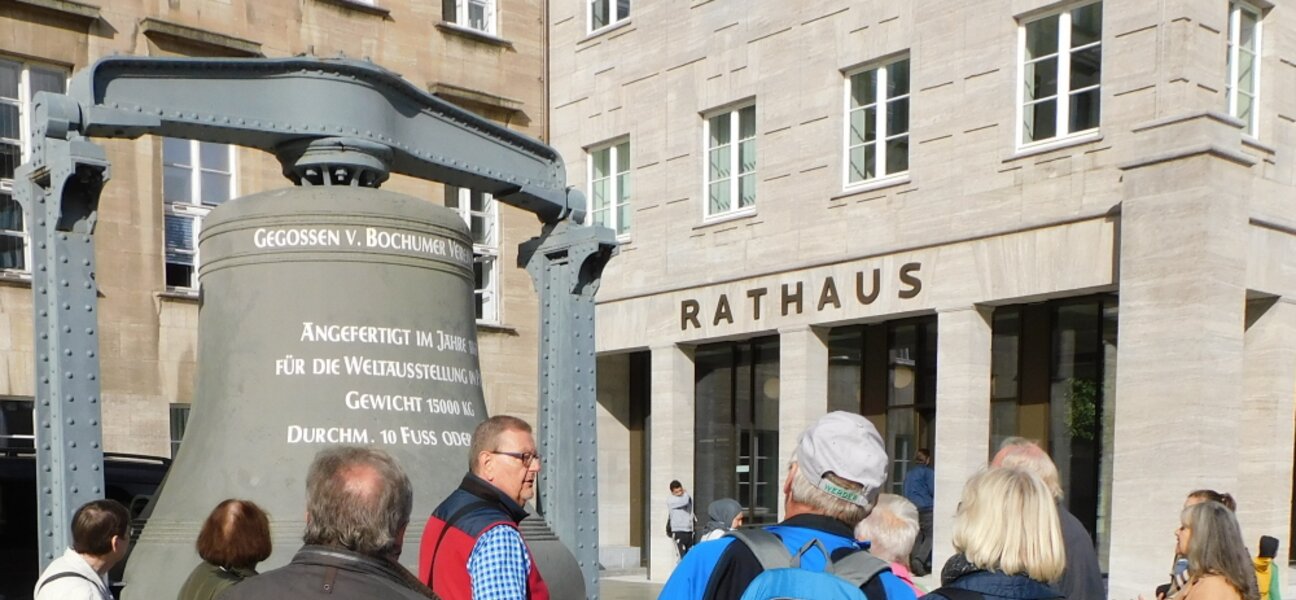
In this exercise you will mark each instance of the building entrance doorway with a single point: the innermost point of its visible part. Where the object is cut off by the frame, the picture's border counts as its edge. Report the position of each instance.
(887, 372)
(736, 394)
(1052, 378)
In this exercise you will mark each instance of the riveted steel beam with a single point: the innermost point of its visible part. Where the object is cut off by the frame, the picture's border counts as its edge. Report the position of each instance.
(566, 264)
(60, 194)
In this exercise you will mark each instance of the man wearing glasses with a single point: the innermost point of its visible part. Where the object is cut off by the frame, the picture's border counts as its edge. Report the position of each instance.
(471, 548)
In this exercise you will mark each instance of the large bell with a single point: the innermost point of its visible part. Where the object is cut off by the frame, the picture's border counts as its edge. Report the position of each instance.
(329, 315)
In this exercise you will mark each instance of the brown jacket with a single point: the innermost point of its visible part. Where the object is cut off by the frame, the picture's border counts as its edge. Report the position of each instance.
(332, 574)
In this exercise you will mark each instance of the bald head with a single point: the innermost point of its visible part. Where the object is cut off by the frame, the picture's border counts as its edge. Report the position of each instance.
(1021, 453)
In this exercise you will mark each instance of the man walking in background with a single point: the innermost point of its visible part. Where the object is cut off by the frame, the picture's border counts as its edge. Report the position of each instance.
(680, 518)
(920, 488)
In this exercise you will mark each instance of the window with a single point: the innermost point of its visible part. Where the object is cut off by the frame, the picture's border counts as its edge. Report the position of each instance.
(479, 211)
(601, 15)
(731, 172)
(1061, 58)
(17, 424)
(1052, 379)
(736, 426)
(196, 176)
(887, 372)
(19, 83)
(609, 185)
(473, 14)
(179, 423)
(877, 129)
(1243, 87)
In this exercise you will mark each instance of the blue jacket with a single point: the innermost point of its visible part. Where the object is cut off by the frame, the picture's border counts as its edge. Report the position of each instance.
(722, 570)
(920, 486)
(994, 585)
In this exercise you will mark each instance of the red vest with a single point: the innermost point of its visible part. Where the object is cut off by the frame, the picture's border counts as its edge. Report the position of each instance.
(443, 558)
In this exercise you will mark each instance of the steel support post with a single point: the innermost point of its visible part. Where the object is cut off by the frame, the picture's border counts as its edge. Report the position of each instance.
(566, 263)
(60, 197)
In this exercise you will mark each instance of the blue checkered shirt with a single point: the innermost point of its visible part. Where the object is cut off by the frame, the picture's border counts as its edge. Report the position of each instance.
(499, 565)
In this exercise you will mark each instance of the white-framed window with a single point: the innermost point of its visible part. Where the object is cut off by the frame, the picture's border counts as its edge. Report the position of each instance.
(1061, 72)
(480, 211)
(731, 162)
(609, 186)
(877, 124)
(196, 177)
(19, 83)
(1243, 86)
(602, 13)
(473, 14)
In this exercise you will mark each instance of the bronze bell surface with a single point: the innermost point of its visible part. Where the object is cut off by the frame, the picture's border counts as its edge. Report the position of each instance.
(329, 315)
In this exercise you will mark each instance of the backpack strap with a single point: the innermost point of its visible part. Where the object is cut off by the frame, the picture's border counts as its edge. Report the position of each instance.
(768, 548)
(64, 575)
(954, 593)
(859, 567)
(813, 543)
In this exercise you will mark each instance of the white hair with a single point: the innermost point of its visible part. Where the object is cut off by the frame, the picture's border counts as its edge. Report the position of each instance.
(827, 504)
(892, 528)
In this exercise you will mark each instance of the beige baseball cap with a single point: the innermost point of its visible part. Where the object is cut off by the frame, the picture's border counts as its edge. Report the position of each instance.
(848, 446)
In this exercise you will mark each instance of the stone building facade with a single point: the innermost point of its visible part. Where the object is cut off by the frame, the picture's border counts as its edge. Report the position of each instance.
(969, 220)
(483, 55)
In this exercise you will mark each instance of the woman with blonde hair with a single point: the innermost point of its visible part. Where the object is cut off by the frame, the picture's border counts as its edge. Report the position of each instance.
(1219, 566)
(1008, 539)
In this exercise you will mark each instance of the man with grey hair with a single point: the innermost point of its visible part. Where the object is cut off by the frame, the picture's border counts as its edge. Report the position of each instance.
(472, 547)
(833, 480)
(358, 503)
(1082, 579)
(891, 531)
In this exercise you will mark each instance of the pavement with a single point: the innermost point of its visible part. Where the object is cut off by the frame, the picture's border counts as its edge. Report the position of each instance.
(634, 586)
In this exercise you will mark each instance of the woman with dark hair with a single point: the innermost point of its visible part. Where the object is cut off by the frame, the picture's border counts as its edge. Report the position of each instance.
(1219, 566)
(723, 516)
(235, 537)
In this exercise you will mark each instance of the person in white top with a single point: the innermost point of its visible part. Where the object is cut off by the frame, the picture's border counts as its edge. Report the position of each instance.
(100, 539)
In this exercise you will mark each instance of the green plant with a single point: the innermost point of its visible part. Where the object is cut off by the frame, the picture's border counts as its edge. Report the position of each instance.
(1082, 408)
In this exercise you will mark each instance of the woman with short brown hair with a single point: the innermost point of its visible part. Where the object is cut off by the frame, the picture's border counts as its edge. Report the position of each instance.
(235, 537)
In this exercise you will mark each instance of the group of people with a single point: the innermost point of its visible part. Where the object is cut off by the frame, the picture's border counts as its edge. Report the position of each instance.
(358, 505)
(1013, 537)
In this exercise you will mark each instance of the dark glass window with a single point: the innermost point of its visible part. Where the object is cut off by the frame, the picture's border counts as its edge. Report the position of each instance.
(179, 422)
(737, 426)
(887, 372)
(1053, 373)
(16, 424)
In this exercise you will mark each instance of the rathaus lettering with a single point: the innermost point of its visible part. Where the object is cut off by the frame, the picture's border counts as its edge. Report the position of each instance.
(792, 297)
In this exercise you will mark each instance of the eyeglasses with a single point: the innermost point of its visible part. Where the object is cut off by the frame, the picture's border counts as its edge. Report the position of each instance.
(526, 457)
